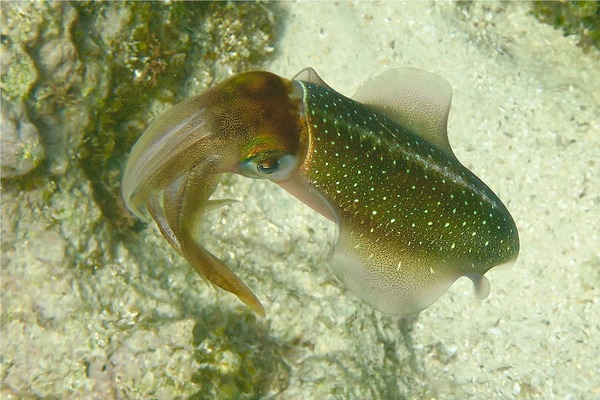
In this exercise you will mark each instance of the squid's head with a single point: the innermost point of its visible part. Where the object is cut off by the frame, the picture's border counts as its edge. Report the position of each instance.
(250, 124)
(262, 118)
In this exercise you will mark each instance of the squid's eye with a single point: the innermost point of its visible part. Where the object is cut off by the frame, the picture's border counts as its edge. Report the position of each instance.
(275, 170)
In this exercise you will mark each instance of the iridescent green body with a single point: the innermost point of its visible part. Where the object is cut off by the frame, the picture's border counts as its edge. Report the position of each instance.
(410, 218)
(400, 197)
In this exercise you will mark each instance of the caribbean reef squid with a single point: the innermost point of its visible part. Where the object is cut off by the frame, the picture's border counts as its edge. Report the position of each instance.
(410, 218)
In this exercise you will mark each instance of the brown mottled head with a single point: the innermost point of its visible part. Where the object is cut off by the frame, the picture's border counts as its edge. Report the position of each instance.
(249, 124)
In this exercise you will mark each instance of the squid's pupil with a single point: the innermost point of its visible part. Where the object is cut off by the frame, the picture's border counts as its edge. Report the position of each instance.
(268, 167)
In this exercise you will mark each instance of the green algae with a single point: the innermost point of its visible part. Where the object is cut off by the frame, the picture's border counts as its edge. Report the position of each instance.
(15, 82)
(579, 18)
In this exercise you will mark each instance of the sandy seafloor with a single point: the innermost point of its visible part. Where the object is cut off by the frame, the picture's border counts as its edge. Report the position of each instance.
(525, 118)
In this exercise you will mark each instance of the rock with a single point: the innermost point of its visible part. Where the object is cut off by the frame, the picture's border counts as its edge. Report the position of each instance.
(22, 150)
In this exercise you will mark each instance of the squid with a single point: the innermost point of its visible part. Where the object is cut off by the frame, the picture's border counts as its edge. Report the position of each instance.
(410, 218)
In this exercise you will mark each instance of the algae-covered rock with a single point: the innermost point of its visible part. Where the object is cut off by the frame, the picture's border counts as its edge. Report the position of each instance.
(18, 72)
(21, 147)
